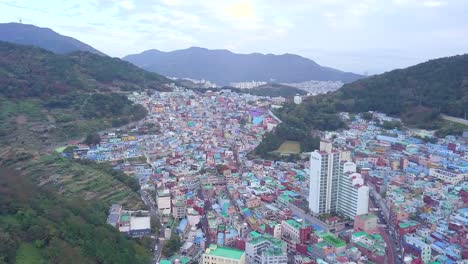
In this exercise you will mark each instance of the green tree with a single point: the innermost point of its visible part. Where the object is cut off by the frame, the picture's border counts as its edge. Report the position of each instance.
(92, 139)
(172, 246)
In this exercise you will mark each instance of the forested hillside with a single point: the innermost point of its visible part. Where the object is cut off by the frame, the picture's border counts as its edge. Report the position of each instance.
(424, 90)
(274, 90)
(27, 71)
(39, 226)
(418, 94)
(49, 98)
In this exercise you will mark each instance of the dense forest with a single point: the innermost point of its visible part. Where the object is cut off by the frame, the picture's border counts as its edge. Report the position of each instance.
(39, 226)
(418, 94)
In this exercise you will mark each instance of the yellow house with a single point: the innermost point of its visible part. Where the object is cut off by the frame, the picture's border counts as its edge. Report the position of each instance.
(128, 138)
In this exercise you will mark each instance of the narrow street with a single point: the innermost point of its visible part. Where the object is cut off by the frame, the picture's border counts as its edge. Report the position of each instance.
(157, 242)
(392, 250)
(204, 220)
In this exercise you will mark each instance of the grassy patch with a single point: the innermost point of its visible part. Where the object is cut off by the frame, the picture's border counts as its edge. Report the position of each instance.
(28, 254)
(289, 147)
(29, 108)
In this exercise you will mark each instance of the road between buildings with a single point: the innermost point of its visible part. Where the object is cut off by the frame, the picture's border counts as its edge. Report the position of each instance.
(391, 250)
(153, 213)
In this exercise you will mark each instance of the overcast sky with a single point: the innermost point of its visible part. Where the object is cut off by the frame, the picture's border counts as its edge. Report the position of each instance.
(353, 35)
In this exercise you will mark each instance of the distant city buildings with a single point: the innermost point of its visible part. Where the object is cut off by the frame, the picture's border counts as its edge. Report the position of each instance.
(297, 99)
(201, 83)
(247, 85)
(317, 87)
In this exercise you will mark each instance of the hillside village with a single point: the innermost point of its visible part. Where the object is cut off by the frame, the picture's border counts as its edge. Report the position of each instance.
(193, 154)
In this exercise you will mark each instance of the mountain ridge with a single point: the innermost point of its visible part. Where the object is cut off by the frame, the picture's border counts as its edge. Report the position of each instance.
(223, 66)
(46, 38)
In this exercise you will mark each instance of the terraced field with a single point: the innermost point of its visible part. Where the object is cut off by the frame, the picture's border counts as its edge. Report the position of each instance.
(71, 178)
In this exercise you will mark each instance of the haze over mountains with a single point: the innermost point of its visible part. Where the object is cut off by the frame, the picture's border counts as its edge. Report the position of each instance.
(224, 66)
(44, 38)
(219, 66)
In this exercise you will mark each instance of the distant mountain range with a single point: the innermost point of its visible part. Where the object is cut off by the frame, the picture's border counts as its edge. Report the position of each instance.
(44, 38)
(224, 66)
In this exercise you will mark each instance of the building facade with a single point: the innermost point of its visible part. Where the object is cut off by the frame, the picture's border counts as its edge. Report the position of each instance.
(334, 184)
(325, 168)
(266, 249)
(353, 195)
(163, 200)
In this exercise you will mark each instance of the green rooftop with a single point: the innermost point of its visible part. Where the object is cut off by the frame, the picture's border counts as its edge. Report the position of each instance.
(184, 260)
(407, 224)
(224, 252)
(367, 216)
(60, 149)
(125, 218)
(254, 234)
(165, 261)
(359, 234)
(262, 238)
(294, 223)
(334, 241)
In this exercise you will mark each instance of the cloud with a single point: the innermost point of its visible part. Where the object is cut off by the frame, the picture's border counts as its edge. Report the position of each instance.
(434, 3)
(127, 5)
(240, 10)
(283, 22)
(172, 2)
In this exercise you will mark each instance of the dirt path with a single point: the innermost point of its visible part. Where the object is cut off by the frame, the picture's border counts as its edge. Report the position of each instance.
(455, 119)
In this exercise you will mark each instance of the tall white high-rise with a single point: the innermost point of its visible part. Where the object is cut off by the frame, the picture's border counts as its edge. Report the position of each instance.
(334, 184)
(353, 195)
(325, 168)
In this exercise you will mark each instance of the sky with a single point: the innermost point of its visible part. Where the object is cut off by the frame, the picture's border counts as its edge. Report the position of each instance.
(362, 36)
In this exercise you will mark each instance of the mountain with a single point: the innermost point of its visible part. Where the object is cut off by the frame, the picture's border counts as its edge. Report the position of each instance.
(44, 38)
(224, 67)
(27, 71)
(418, 94)
(58, 97)
(433, 87)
